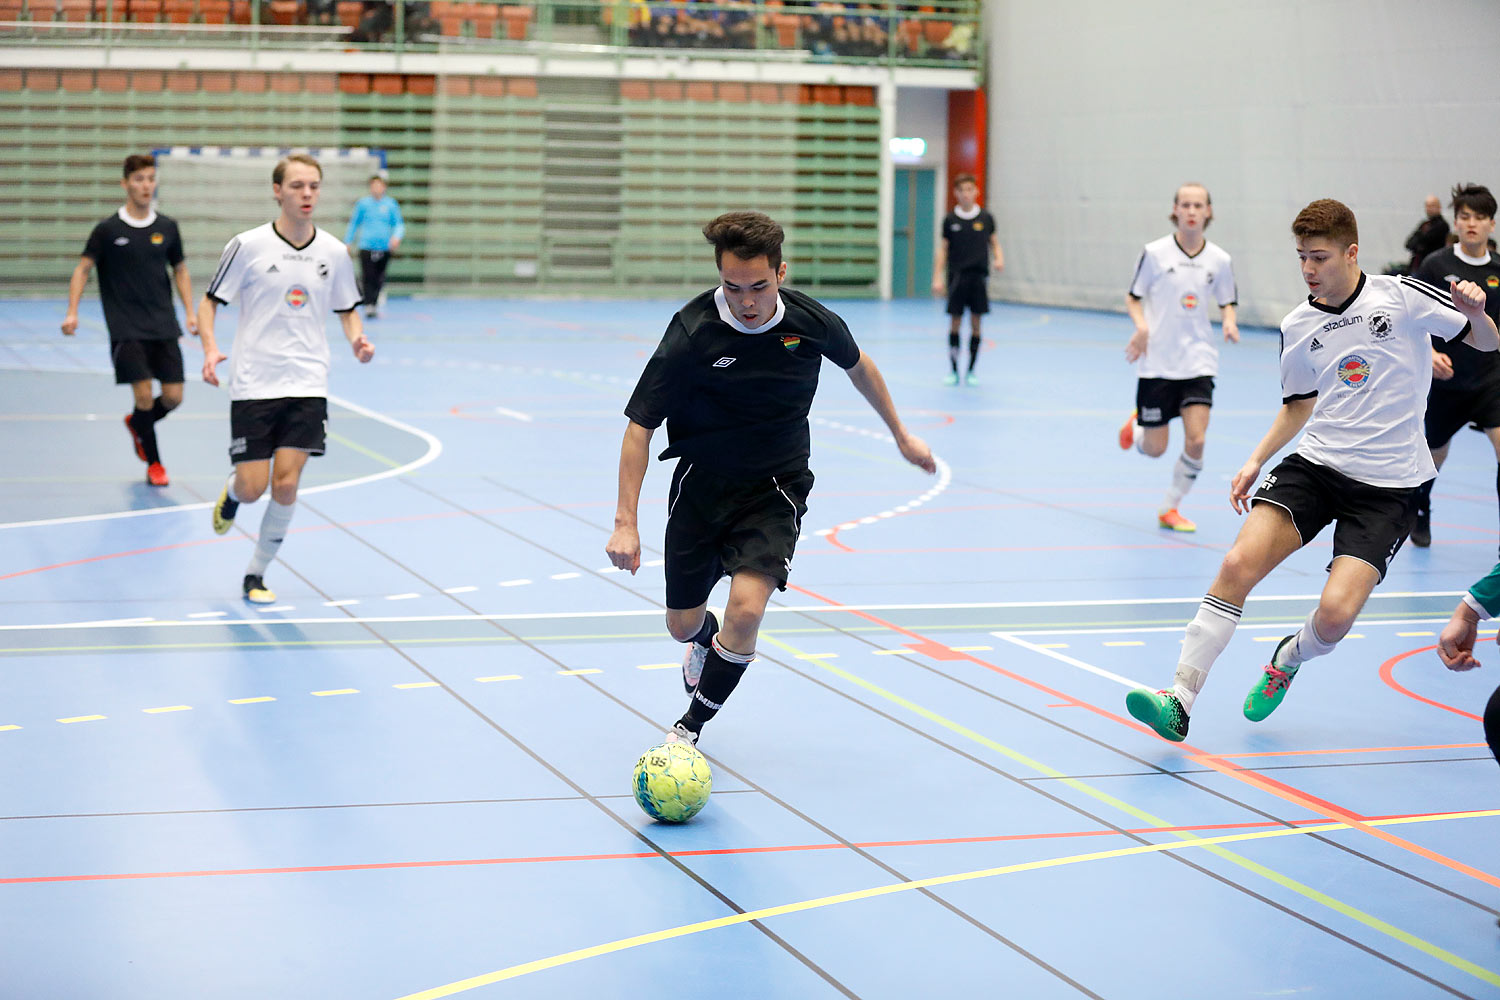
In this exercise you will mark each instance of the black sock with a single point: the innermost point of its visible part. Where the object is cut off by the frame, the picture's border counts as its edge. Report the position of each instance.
(974, 341)
(1424, 496)
(707, 631)
(1492, 724)
(953, 345)
(145, 429)
(159, 410)
(720, 677)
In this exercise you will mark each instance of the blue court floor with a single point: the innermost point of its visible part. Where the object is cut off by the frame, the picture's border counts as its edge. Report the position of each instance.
(410, 778)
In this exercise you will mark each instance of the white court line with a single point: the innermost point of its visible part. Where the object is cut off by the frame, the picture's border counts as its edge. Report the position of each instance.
(434, 449)
(1070, 661)
(640, 613)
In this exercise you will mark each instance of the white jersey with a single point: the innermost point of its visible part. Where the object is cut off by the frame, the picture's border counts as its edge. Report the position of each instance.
(1176, 287)
(285, 294)
(1369, 363)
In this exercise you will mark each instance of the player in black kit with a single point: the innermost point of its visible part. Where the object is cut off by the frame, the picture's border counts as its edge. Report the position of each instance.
(133, 250)
(734, 378)
(1465, 382)
(965, 251)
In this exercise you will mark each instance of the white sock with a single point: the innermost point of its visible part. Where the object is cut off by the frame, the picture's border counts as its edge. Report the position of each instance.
(1305, 645)
(1140, 439)
(1184, 474)
(273, 525)
(1206, 636)
(230, 487)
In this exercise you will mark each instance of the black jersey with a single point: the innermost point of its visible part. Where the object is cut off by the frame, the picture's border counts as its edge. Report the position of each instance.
(737, 402)
(133, 258)
(968, 242)
(1471, 367)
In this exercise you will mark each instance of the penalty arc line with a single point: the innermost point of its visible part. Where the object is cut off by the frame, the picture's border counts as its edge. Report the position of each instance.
(434, 449)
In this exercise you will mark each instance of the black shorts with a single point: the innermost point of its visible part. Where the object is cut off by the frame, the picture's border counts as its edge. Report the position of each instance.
(143, 360)
(968, 291)
(1448, 409)
(717, 526)
(1371, 521)
(257, 427)
(1158, 400)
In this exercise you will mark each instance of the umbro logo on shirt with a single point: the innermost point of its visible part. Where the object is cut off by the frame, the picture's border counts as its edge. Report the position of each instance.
(1317, 345)
(724, 362)
(273, 269)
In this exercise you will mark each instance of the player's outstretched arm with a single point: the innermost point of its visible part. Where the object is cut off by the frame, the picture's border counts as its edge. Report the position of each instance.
(1456, 644)
(1229, 319)
(1289, 420)
(871, 385)
(184, 283)
(75, 295)
(354, 332)
(624, 545)
(1468, 298)
(207, 310)
(1138, 340)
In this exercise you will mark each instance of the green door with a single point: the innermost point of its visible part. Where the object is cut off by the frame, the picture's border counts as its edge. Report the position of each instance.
(914, 229)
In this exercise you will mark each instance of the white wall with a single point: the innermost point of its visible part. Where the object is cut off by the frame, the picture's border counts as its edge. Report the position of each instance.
(1097, 116)
(922, 112)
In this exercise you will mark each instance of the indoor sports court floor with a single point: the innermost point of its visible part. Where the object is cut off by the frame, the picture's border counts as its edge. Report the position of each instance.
(410, 778)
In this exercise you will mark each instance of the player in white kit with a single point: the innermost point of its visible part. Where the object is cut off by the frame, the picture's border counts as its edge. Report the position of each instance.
(1356, 364)
(1173, 347)
(287, 275)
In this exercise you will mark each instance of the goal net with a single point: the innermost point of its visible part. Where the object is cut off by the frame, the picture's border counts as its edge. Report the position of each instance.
(216, 191)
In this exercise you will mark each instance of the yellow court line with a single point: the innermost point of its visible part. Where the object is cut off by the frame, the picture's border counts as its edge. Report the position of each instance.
(1126, 642)
(568, 958)
(353, 446)
(971, 649)
(656, 666)
(1285, 881)
(498, 677)
(83, 718)
(250, 701)
(415, 684)
(575, 673)
(167, 708)
(5, 729)
(334, 691)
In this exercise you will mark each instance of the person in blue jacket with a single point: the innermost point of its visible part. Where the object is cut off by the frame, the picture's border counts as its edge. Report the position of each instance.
(1456, 644)
(375, 231)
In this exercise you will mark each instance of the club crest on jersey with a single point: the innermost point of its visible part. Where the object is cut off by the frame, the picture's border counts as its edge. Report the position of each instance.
(296, 296)
(1380, 325)
(977, 225)
(1353, 371)
(790, 343)
(157, 239)
(1190, 301)
(1493, 281)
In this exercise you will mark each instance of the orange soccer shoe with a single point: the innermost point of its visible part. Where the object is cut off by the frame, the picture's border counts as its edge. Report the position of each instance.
(1175, 521)
(1127, 431)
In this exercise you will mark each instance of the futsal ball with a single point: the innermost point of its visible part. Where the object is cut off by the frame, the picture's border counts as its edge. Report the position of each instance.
(672, 782)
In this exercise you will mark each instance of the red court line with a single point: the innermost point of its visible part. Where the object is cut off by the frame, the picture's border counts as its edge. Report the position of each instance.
(1292, 795)
(1387, 674)
(1279, 789)
(647, 855)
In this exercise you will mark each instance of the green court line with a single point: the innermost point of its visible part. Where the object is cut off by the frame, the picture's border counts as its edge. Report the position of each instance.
(1210, 844)
(355, 446)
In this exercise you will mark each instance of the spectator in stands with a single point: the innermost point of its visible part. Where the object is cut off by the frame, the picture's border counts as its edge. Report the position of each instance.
(1430, 235)
(376, 231)
(739, 24)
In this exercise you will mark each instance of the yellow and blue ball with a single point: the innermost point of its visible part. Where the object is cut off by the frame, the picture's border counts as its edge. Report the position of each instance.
(672, 782)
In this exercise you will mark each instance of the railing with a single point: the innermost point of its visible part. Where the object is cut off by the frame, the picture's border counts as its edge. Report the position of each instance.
(937, 33)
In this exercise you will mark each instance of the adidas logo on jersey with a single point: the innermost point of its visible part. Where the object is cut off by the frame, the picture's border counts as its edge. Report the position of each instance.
(724, 362)
(273, 269)
(1317, 345)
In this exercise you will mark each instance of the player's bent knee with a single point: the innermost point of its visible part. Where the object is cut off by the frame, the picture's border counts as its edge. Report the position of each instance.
(683, 625)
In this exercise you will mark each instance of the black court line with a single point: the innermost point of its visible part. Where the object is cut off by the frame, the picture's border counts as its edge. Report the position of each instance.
(811, 617)
(677, 863)
(341, 805)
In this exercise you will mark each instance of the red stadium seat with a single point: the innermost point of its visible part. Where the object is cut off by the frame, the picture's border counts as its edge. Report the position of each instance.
(350, 12)
(286, 11)
(179, 11)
